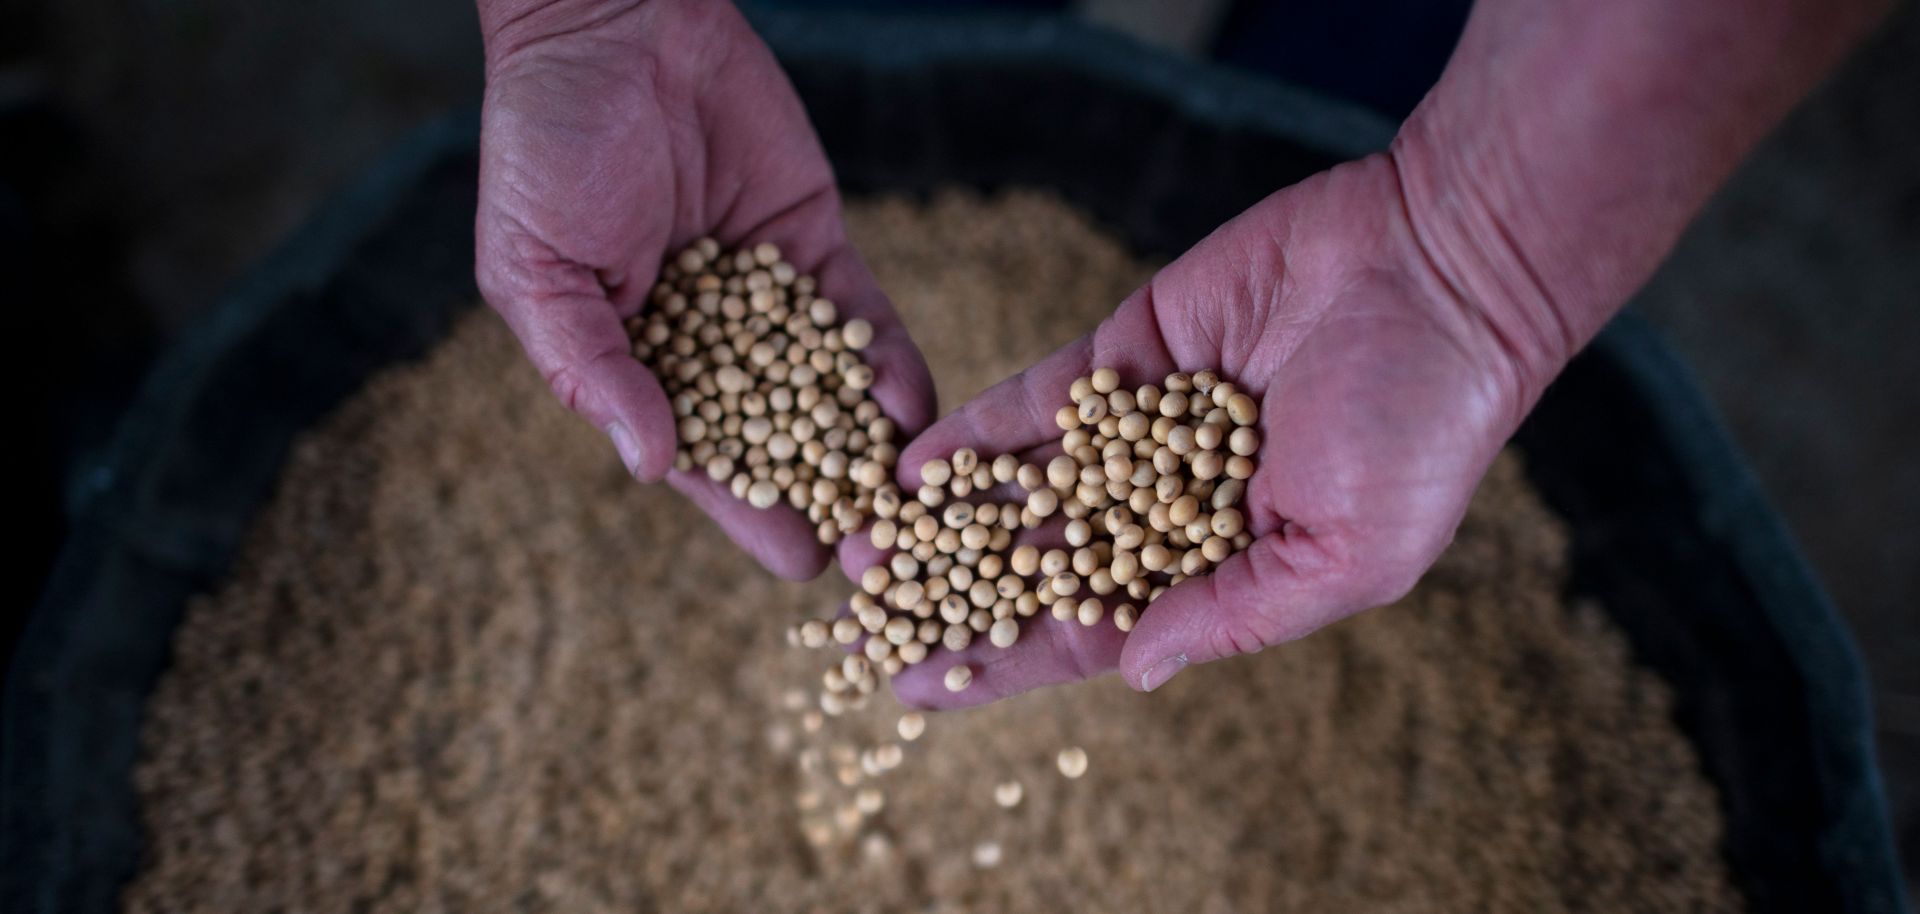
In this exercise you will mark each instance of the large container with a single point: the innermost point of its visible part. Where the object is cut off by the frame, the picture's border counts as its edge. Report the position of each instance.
(1670, 533)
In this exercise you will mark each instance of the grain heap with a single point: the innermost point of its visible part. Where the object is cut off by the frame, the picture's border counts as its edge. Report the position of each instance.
(457, 670)
(1149, 480)
(768, 386)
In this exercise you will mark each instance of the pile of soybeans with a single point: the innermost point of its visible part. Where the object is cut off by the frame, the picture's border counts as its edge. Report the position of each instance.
(464, 663)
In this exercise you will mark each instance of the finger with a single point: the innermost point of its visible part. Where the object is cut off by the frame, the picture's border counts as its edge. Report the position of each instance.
(578, 345)
(1284, 586)
(779, 537)
(1050, 652)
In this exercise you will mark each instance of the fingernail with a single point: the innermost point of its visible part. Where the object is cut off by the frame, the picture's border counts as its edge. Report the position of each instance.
(627, 445)
(1159, 674)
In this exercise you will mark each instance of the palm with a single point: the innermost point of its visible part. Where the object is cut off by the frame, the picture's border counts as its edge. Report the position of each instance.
(605, 148)
(1378, 430)
(1380, 408)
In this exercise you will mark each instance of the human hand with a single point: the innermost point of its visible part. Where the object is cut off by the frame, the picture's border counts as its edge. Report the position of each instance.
(612, 134)
(1384, 395)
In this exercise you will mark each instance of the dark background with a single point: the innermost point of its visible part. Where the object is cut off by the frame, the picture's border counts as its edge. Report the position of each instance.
(150, 151)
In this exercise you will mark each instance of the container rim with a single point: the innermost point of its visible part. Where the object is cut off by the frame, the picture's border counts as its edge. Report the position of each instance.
(104, 497)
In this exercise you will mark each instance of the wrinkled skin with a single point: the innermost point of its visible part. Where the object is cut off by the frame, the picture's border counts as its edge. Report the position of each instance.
(1383, 399)
(613, 135)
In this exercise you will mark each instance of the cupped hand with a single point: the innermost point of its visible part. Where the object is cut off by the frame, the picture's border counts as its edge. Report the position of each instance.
(614, 133)
(1384, 395)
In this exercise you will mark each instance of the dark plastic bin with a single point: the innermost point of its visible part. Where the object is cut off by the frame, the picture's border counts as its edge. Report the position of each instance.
(1671, 535)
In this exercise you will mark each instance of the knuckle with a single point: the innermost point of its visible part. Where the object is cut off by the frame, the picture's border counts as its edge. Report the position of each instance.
(1247, 629)
(568, 387)
(1239, 636)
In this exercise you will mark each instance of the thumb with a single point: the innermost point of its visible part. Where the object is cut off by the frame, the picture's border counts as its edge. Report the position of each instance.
(576, 341)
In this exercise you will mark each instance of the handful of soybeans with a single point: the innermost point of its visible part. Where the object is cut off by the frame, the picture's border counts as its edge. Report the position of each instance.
(768, 386)
(1150, 480)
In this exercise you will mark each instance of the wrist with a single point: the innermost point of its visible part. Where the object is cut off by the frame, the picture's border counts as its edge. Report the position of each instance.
(1566, 147)
(1483, 250)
